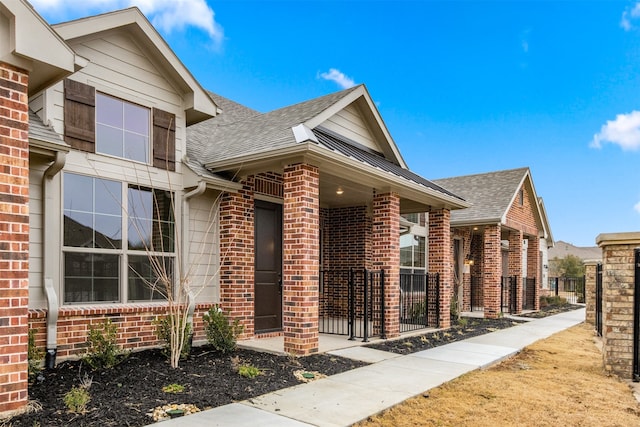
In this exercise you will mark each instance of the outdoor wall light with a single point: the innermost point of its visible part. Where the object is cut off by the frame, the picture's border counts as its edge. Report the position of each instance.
(339, 191)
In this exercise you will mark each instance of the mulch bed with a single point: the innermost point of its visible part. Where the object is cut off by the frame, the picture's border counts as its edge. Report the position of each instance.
(125, 394)
(550, 310)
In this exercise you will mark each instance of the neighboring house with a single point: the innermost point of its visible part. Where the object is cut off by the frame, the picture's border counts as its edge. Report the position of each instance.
(115, 128)
(499, 244)
(561, 249)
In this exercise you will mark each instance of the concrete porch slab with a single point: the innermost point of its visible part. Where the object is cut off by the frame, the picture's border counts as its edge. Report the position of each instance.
(235, 414)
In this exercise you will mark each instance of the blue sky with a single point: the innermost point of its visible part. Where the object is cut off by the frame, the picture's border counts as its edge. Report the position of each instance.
(464, 86)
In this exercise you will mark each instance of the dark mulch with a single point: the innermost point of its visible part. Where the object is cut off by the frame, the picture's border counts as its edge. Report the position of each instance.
(467, 328)
(551, 310)
(123, 395)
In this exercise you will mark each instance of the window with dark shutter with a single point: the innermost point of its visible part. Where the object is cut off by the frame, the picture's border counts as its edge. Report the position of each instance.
(164, 140)
(79, 115)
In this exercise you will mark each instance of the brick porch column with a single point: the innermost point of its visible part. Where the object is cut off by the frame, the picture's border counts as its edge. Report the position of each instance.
(492, 272)
(590, 290)
(14, 236)
(237, 257)
(385, 249)
(533, 268)
(515, 264)
(440, 259)
(301, 258)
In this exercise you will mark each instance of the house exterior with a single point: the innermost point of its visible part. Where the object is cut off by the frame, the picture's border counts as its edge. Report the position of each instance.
(499, 245)
(117, 155)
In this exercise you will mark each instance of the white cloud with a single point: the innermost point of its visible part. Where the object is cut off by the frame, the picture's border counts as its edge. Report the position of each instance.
(165, 15)
(524, 39)
(623, 131)
(629, 15)
(342, 80)
(636, 207)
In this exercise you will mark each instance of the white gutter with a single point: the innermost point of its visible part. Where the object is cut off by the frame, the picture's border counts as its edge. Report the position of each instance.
(198, 191)
(48, 243)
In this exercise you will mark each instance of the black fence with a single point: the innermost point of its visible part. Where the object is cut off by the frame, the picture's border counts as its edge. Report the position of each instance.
(570, 288)
(508, 294)
(599, 299)
(419, 301)
(351, 303)
(477, 294)
(529, 293)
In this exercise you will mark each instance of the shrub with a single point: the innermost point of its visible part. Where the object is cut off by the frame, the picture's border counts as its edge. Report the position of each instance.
(552, 300)
(76, 400)
(221, 333)
(173, 388)
(163, 332)
(103, 351)
(34, 355)
(249, 371)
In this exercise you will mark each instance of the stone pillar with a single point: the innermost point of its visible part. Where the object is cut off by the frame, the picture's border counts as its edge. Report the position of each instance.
(14, 237)
(492, 271)
(440, 259)
(515, 264)
(618, 275)
(385, 250)
(590, 290)
(533, 269)
(301, 258)
(237, 257)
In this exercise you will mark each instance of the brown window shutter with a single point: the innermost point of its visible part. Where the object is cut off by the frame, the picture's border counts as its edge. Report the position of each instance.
(80, 115)
(164, 140)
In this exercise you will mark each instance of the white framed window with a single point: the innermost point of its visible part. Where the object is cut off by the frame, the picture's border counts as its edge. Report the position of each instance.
(413, 245)
(123, 129)
(113, 235)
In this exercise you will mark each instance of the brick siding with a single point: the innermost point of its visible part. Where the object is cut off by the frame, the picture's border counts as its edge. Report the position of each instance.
(492, 271)
(440, 259)
(386, 255)
(237, 256)
(301, 258)
(515, 264)
(590, 291)
(14, 236)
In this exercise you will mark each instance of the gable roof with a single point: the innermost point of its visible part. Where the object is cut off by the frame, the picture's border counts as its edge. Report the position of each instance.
(251, 139)
(491, 195)
(198, 104)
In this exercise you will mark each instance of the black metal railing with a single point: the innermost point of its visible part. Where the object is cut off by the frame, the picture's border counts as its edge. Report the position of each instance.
(599, 299)
(570, 288)
(508, 294)
(477, 294)
(419, 301)
(528, 293)
(352, 303)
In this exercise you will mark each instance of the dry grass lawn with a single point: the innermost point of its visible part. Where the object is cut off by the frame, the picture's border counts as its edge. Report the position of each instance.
(555, 382)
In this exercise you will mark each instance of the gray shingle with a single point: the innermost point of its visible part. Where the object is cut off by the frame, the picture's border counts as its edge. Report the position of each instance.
(490, 193)
(41, 132)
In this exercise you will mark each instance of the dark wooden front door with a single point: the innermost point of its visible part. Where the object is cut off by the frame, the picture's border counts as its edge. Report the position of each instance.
(268, 268)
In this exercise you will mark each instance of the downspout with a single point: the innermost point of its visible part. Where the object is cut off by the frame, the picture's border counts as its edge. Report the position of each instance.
(191, 300)
(48, 287)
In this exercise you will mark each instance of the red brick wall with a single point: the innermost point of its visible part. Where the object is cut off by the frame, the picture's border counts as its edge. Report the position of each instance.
(492, 271)
(237, 256)
(301, 258)
(386, 255)
(440, 259)
(14, 236)
(515, 264)
(522, 217)
(533, 268)
(135, 326)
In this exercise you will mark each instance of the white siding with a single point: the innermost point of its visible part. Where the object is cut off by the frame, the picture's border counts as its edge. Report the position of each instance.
(36, 295)
(203, 240)
(348, 122)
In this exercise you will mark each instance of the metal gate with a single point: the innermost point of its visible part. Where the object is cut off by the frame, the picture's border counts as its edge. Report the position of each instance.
(508, 294)
(636, 318)
(599, 299)
(528, 293)
(352, 303)
(419, 301)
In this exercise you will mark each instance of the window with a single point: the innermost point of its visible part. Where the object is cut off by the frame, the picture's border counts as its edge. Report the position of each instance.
(412, 253)
(115, 234)
(122, 129)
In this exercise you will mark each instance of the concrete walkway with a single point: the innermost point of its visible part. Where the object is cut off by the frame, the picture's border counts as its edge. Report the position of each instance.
(346, 398)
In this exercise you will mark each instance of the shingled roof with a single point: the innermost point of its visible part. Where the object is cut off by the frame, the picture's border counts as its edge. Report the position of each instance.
(491, 194)
(246, 134)
(40, 132)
